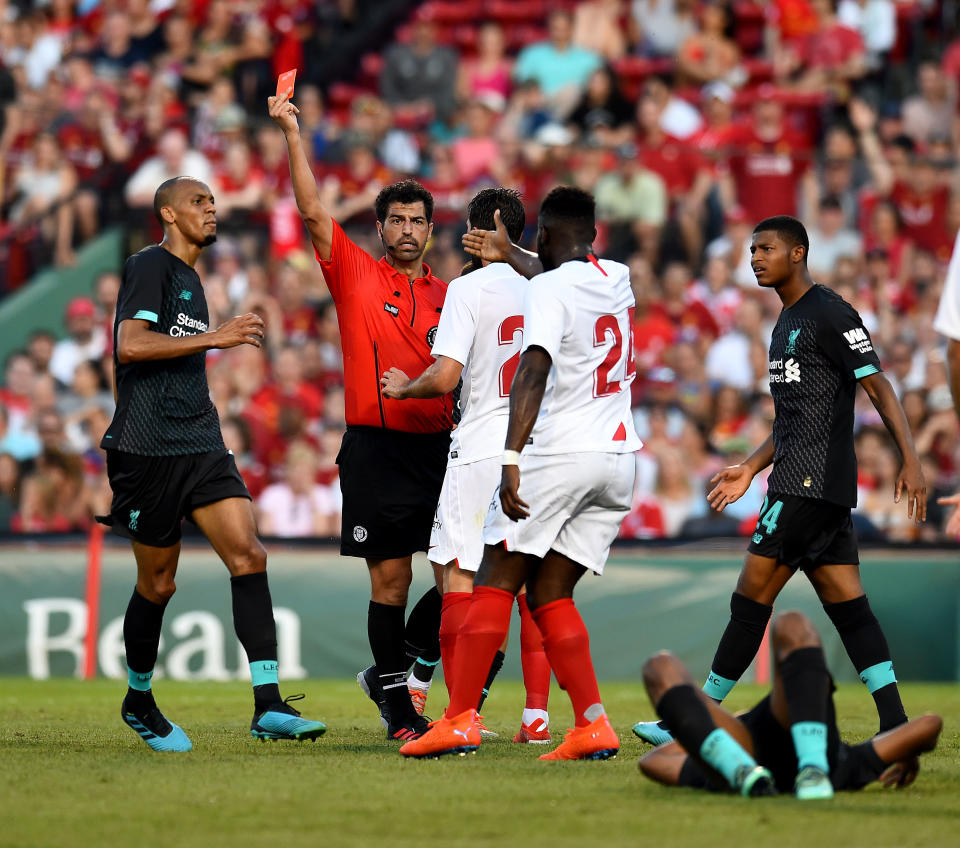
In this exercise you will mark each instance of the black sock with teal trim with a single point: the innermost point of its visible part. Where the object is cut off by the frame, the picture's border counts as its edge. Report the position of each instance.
(867, 648)
(806, 686)
(421, 635)
(738, 645)
(495, 667)
(257, 631)
(141, 639)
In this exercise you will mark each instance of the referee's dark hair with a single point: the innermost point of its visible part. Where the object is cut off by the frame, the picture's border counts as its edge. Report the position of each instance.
(787, 228)
(487, 201)
(405, 191)
(571, 208)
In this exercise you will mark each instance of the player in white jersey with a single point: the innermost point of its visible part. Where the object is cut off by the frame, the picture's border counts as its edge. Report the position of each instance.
(478, 340)
(947, 323)
(570, 416)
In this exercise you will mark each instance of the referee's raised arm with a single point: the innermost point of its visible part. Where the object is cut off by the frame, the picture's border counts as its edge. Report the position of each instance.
(318, 220)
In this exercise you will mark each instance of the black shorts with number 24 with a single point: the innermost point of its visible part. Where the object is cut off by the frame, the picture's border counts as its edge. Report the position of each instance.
(804, 532)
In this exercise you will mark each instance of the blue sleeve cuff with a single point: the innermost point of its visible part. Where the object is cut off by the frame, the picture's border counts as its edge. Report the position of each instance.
(866, 371)
(147, 315)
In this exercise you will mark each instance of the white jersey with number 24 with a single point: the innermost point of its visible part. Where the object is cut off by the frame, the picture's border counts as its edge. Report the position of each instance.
(581, 313)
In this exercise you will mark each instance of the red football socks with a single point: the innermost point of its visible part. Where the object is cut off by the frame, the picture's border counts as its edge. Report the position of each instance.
(481, 634)
(567, 644)
(453, 612)
(533, 659)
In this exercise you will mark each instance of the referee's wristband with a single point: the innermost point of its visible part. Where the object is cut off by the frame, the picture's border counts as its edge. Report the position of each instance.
(511, 457)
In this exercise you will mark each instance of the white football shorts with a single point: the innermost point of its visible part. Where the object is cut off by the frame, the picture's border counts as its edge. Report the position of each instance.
(576, 501)
(464, 501)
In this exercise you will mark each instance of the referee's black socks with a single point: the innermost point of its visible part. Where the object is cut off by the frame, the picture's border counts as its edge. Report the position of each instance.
(738, 645)
(141, 639)
(385, 629)
(257, 632)
(867, 648)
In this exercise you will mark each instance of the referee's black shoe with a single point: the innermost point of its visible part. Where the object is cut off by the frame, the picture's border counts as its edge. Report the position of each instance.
(369, 681)
(412, 728)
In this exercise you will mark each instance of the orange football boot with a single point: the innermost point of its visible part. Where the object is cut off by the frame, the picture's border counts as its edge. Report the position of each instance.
(457, 735)
(597, 741)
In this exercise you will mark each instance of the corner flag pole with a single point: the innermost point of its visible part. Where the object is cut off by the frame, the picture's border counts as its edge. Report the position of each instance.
(94, 562)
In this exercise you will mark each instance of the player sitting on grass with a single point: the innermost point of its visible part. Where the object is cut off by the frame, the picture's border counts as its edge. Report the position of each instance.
(479, 338)
(166, 460)
(819, 352)
(788, 742)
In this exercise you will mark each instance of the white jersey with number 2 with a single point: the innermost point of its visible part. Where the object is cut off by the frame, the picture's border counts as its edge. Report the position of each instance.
(481, 327)
(581, 313)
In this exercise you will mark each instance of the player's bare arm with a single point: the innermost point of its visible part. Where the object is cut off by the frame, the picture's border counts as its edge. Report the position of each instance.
(136, 342)
(953, 370)
(902, 746)
(526, 395)
(910, 478)
(439, 379)
(732, 482)
(315, 215)
(495, 246)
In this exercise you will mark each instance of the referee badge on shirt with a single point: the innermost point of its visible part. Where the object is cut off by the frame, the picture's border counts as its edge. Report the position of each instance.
(431, 335)
(393, 309)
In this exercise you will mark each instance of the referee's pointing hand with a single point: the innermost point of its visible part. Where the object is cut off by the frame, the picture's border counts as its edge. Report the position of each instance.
(241, 329)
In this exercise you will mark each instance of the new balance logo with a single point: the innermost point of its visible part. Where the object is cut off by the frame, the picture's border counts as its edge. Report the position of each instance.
(185, 295)
(791, 370)
(858, 340)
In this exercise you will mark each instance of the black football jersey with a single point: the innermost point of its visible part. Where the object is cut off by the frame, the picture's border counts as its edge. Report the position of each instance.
(818, 352)
(163, 406)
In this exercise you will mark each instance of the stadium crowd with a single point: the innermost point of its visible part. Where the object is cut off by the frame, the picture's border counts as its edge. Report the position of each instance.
(689, 121)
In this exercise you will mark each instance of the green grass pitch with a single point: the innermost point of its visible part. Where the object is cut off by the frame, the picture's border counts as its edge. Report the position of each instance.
(72, 774)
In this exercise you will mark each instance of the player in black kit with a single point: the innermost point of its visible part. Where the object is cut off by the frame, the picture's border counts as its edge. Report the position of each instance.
(819, 351)
(166, 460)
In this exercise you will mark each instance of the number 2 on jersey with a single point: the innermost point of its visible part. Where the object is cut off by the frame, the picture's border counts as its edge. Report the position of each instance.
(608, 325)
(509, 328)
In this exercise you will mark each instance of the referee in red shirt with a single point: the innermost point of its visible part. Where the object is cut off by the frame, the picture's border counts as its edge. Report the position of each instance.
(394, 455)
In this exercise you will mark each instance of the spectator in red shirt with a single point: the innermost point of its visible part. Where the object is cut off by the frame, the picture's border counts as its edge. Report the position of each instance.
(241, 184)
(829, 58)
(684, 171)
(767, 161)
(715, 136)
(691, 320)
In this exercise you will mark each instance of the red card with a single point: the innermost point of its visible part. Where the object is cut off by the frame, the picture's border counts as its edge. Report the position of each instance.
(285, 83)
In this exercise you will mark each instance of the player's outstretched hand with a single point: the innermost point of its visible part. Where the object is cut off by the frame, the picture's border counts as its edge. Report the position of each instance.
(284, 113)
(901, 774)
(953, 525)
(513, 507)
(488, 245)
(732, 482)
(241, 329)
(911, 479)
(394, 384)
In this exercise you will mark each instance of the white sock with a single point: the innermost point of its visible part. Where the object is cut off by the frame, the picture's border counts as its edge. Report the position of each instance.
(413, 683)
(530, 716)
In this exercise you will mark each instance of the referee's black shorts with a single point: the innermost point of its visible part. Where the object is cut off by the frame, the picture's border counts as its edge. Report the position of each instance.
(153, 494)
(391, 484)
(805, 533)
